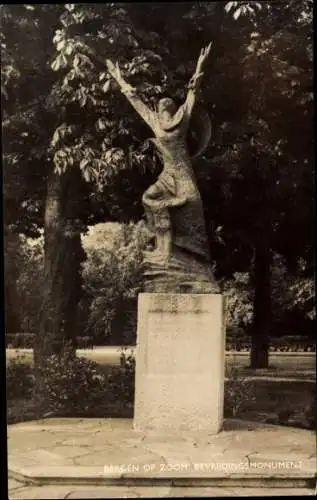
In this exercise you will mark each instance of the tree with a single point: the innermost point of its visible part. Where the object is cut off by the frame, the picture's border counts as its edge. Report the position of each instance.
(28, 124)
(255, 178)
(270, 162)
(112, 278)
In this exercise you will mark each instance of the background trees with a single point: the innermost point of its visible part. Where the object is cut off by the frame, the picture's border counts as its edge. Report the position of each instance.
(76, 153)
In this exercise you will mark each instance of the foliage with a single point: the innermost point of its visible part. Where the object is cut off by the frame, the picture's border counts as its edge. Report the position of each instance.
(12, 256)
(23, 261)
(238, 296)
(121, 380)
(239, 390)
(293, 299)
(20, 340)
(26, 83)
(85, 342)
(30, 283)
(69, 385)
(255, 177)
(27, 127)
(19, 379)
(303, 297)
(112, 278)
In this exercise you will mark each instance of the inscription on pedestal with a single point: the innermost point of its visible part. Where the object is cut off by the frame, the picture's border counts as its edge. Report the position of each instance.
(179, 362)
(183, 355)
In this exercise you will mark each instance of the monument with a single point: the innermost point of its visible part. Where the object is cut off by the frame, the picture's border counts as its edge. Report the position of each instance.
(180, 339)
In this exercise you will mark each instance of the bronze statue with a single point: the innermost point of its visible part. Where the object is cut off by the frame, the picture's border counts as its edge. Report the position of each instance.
(181, 260)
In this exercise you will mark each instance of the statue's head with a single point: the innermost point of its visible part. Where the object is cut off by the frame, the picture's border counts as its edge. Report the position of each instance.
(167, 107)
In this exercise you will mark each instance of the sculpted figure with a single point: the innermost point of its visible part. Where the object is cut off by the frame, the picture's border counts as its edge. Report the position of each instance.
(181, 261)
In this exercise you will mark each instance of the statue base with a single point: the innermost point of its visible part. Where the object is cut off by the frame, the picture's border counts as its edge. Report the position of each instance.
(180, 359)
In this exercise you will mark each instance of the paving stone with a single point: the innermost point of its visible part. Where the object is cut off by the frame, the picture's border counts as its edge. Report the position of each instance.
(13, 484)
(30, 440)
(120, 492)
(71, 452)
(102, 492)
(48, 492)
(62, 423)
(113, 454)
(87, 446)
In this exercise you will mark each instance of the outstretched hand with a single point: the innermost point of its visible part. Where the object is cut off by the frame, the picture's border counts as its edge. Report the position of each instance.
(203, 56)
(114, 70)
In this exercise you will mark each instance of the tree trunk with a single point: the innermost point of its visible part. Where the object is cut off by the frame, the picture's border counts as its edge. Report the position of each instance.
(63, 255)
(261, 307)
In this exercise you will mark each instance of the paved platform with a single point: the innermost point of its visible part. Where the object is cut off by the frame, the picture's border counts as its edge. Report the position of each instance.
(106, 458)
(102, 492)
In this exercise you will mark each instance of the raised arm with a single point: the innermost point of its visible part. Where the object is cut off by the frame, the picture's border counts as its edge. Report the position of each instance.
(131, 94)
(195, 80)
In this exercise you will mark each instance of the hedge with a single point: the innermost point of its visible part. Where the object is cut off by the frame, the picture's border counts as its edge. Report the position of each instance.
(243, 343)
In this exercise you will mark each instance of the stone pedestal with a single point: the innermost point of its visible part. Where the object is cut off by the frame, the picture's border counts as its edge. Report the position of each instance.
(180, 359)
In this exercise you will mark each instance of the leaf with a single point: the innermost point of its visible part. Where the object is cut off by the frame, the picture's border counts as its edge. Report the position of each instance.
(58, 36)
(63, 60)
(228, 6)
(56, 64)
(57, 170)
(86, 175)
(60, 45)
(71, 75)
(83, 163)
(92, 100)
(84, 59)
(237, 13)
(101, 124)
(106, 86)
(70, 6)
(65, 84)
(55, 138)
(250, 9)
(76, 61)
(83, 101)
(69, 49)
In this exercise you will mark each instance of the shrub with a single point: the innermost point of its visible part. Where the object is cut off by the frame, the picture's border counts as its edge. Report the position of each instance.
(112, 278)
(86, 342)
(238, 391)
(70, 385)
(121, 379)
(20, 340)
(277, 344)
(19, 379)
(239, 306)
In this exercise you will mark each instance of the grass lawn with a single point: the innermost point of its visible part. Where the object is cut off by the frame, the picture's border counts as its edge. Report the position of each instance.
(280, 402)
(300, 366)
